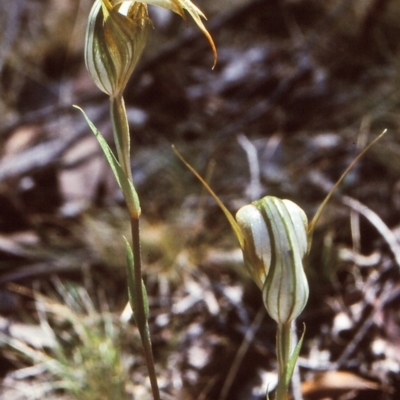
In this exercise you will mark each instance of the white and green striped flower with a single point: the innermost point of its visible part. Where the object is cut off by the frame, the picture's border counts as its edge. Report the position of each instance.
(275, 233)
(274, 237)
(274, 246)
(115, 39)
(116, 36)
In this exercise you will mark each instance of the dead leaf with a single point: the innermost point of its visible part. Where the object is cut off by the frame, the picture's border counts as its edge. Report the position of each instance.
(332, 384)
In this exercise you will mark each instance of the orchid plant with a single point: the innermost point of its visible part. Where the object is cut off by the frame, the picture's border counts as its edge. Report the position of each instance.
(116, 36)
(275, 238)
(274, 234)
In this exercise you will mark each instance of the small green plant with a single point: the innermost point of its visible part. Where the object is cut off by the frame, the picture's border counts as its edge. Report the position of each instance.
(275, 238)
(116, 35)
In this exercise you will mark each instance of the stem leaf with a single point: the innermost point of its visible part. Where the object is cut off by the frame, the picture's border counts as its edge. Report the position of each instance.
(131, 283)
(129, 192)
(130, 274)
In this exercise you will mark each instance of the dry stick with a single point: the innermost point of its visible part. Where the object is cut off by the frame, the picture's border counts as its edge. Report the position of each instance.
(377, 222)
(386, 296)
(254, 166)
(248, 338)
(40, 156)
(387, 293)
(51, 265)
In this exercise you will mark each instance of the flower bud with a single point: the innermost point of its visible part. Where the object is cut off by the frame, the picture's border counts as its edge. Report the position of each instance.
(115, 38)
(275, 244)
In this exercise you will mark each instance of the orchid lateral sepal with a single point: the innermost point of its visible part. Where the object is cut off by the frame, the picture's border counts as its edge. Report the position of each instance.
(178, 7)
(321, 208)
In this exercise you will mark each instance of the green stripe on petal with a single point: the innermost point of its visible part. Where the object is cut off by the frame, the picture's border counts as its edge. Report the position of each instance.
(285, 292)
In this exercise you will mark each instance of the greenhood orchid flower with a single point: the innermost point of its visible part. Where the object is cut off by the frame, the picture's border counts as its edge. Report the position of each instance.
(116, 36)
(275, 244)
(273, 236)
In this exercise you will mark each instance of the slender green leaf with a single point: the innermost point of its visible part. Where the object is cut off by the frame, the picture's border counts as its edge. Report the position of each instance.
(129, 192)
(130, 274)
(145, 301)
(131, 282)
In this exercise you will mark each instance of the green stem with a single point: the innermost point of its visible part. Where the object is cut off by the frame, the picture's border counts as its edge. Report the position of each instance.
(122, 142)
(121, 133)
(283, 351)
(140, 313)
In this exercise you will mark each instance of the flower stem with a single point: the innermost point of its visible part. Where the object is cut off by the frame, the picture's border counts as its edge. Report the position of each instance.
(284, 352)
(139, 312)
(122, 142)
(121, 133)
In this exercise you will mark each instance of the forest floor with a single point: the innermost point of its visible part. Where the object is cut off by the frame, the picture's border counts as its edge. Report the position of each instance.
(300, 88)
